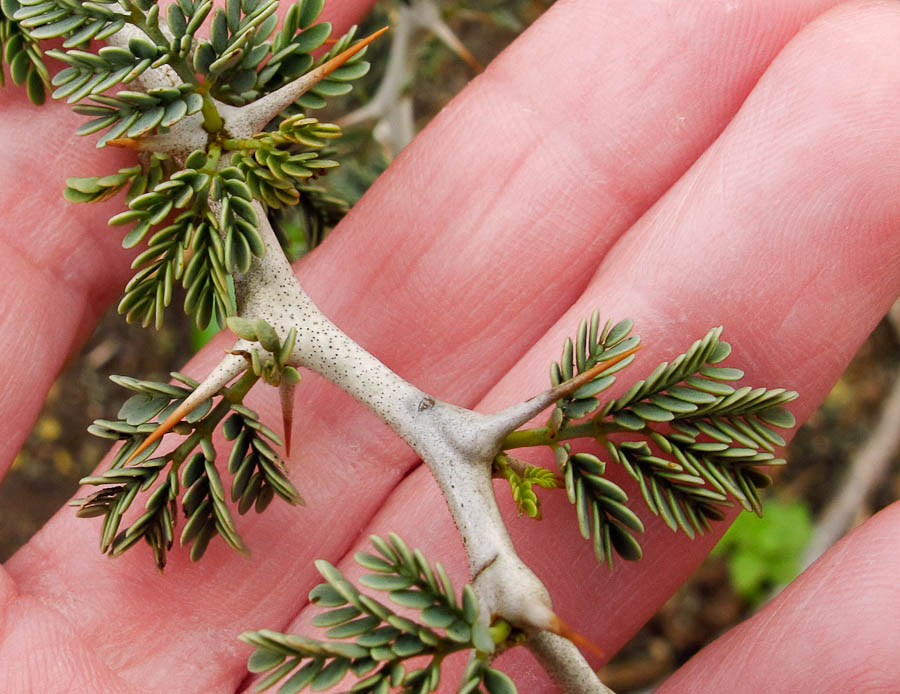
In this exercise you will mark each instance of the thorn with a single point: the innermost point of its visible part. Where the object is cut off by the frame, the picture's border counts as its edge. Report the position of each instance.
(286, 390)
(469, 59)
(513, 417)
(560, 628)
(128, 142)
(149, 143)
(445, 34)
(574, 383)
(182, 411)
(330, 66)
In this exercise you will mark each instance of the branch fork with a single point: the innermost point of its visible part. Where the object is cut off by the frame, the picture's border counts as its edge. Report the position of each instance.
(457, 444)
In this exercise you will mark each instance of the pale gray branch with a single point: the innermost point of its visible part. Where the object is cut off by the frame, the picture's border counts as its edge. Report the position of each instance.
(566, 664)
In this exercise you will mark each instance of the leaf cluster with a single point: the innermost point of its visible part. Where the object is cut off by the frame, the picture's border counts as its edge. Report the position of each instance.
(90, 73)
(600, 506)
(198, 248)
(275, 369)
(93, 73)
(189, 471)
(22, 54)
(690, 440)
(132, 113)
(382, 639)
(274, 168)
(77, 22)
(522, 479)
(246, 58)
(716, 435)
(238, 62)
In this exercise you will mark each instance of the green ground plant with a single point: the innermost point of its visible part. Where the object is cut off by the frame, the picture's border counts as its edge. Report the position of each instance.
(764, 552)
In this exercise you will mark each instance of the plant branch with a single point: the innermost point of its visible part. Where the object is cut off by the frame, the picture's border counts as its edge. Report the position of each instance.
(565, 664)
(457, 444)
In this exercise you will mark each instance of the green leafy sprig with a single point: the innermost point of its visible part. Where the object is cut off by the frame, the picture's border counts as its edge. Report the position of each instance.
(93, 73)
(78, 22)
(600, 506)
(522, 479)
(273, 167)
(189, 471)
(22, 54)
(689, 439)
(132, 114)
(367, 638)
(198, 248)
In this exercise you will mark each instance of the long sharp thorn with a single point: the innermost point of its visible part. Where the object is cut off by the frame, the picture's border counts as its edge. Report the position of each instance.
(182, 411)
(313, 77)
(286, 390)
(576, 382)
(446, 35)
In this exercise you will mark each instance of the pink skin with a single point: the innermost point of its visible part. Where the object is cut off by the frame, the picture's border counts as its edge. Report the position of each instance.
(656, 161)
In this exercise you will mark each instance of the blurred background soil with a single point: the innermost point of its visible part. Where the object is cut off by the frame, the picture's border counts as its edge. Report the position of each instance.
(756, 557)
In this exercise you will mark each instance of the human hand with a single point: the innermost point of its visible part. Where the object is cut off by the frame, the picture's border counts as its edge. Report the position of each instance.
(586, 168)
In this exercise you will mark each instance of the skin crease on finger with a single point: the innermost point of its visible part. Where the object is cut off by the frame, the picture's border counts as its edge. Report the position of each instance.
(59, 558)
(838, 235)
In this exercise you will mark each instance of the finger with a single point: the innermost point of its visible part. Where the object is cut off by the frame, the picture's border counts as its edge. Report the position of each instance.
(784, 301)
(350, 479)
(761, 237)
(667, 239)
(835, 628)
(789, 252)
(51, 253)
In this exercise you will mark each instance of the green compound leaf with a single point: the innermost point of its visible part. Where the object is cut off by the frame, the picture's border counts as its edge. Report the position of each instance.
(600, 507)
(377, 641)
(179, 481)
(196, 249)
(245, 58)
(20, 51)
(133, 114)
(274, 169)
(691, 441)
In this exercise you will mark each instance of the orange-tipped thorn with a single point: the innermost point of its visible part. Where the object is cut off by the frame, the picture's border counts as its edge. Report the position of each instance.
(560, 628)
(127, 142)
(576, 382)
(182, 411)
(330, 66)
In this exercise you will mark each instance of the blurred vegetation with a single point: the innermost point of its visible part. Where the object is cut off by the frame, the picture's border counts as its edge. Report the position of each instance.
(764, 553)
